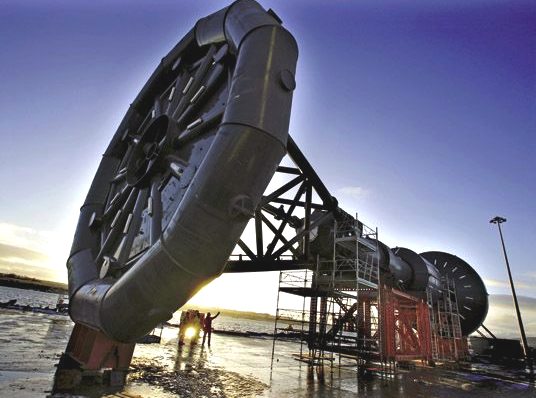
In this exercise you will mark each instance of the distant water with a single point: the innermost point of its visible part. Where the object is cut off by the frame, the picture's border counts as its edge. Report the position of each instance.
(236, 324)
(44, 299)
(29, 297)
(223, 322)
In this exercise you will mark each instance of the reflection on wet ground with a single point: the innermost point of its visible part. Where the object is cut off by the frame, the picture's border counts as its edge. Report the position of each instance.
(234, 367)
(191, 378)
(30, 345)
(240, 367)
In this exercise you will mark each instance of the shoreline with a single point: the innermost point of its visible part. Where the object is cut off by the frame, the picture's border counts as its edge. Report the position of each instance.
(14, 281)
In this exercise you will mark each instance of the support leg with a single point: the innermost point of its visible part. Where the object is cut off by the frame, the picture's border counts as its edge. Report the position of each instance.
(91, 354)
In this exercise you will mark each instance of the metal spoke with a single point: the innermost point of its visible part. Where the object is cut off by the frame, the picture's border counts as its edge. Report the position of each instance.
(157, 108)
(144, 124)
(126, 156)
(155, 208)
(162, 142)
(120, 175)
(180, 85)
(203, 92)
(199, 127)
(195, 84)
(119, 221)
(117, 201)
(149, 164)
(132, 228)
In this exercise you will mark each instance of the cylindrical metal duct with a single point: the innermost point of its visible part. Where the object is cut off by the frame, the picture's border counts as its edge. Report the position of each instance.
(423, 274)
(184, 172)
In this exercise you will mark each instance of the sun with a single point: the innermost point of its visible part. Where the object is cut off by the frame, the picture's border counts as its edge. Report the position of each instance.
(190, 332)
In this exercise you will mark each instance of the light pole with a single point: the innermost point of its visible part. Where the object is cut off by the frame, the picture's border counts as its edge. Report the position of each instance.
(499, 220)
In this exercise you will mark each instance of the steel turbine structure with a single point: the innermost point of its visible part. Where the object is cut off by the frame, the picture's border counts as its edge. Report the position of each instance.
(185, 170)
(188, 168)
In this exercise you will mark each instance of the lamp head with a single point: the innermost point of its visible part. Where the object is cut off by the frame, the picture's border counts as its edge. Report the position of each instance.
(497, 220)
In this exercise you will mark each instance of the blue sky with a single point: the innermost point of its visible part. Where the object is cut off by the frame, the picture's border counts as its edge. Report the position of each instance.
(418, 115)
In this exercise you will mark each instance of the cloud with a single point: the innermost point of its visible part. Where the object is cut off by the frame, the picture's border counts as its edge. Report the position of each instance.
(354, 192)
(15, 235)
(501, 318)
(506, 284)
(42, 273)
(495, 283)
(20, 261)
(30, 252)
(14, 254)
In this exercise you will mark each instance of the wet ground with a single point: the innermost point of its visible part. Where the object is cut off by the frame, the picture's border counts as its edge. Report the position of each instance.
(233, 367)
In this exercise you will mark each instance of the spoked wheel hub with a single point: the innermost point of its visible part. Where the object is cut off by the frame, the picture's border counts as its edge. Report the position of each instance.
(148, 156)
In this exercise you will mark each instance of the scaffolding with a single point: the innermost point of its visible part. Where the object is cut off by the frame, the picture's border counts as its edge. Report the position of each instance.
(338, 320)
(343, 315)
(448, 343)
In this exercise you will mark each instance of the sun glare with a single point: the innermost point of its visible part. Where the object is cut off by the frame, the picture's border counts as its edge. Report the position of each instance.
(190, 332)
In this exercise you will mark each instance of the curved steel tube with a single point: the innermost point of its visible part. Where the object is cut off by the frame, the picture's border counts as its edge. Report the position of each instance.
(204, 229)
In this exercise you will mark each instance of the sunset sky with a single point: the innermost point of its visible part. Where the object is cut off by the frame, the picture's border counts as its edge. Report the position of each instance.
(418, 115)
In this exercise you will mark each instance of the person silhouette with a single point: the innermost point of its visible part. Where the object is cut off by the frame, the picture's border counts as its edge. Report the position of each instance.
(207, 327)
